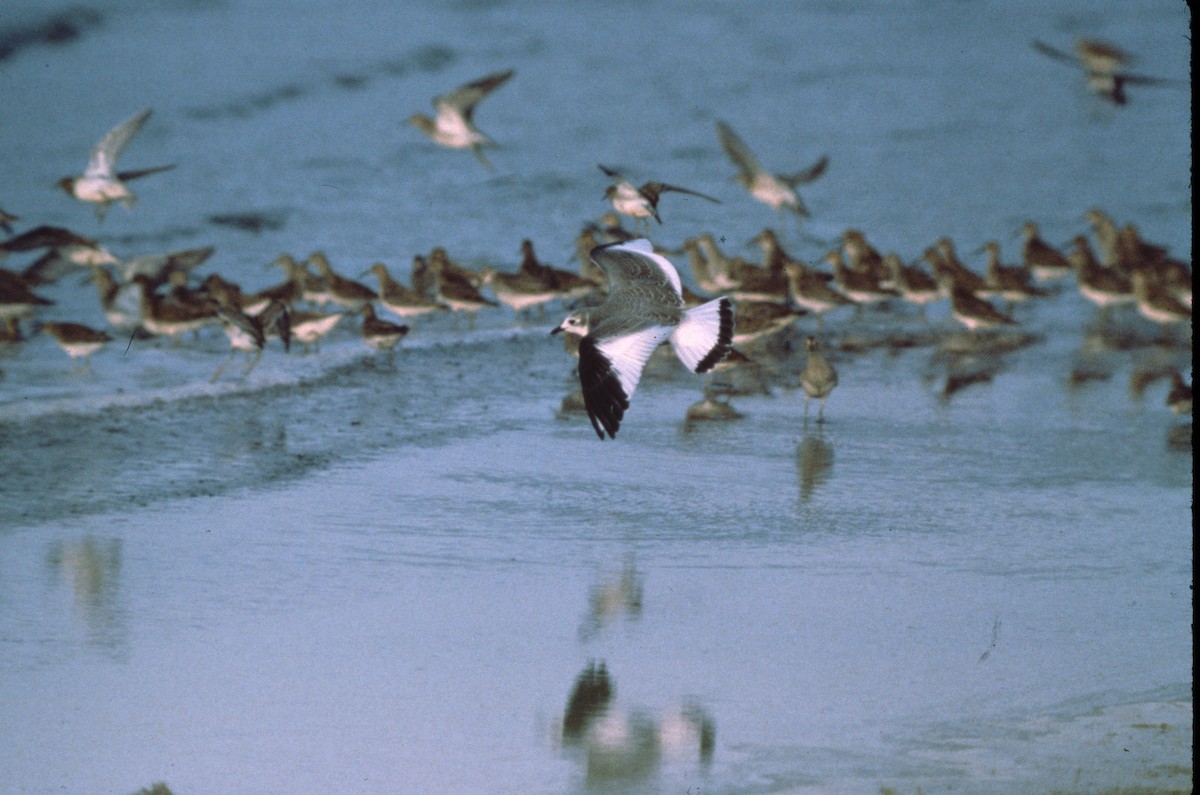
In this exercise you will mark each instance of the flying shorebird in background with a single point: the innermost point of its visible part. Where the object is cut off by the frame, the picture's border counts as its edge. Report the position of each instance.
(1103, 65)
(776, 190)
(101, 184)
(453, 127)
(642, 203)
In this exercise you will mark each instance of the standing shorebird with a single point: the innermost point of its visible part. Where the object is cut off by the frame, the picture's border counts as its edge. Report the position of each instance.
(400, 300)
(641, 203)
(913, 284)
(79, 341)
(775, 190)
(971, 310)
(818, 378)
(101, 184)
(454, 127)
(1045, 262)
(644, 309)
(810, 291)
(381, 335)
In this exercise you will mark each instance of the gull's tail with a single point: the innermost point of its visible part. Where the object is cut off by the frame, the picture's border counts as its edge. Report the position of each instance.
(705, 335)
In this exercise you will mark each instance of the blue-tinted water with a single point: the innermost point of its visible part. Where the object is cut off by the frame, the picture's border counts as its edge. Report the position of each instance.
(343, 574)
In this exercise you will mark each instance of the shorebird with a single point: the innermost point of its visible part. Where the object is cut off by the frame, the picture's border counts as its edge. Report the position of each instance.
(1103, 65)
(313, 289)
(454, 127)
(809, 290)
(1104, 287)
(1179, 399)
(400, 300)
(564, 283)
(447, 268)
(66, 252)
(101, 184)
(1045, 262)
(381, 335)
(862, 257)
(727, 272)
(77, 340)
(644, 308)
(519, 290)
(249, 332)
(818, 378)
(450, 284)
(307, 328)
(702, 274)
(166, 318)
(1107, 238)
(946, 266)
(778, 191)
(159, 267)
(608, 229)
(756, 320)
(971, 310)
(860, 287)
(1010, 284)
(342, 291)
(642, 203)
(1156, 303)
(121, 302)
(16, 299)
(913, 284)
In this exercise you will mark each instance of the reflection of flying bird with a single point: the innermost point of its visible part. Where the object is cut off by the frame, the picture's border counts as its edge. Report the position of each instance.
(644, 308)
(1103, 65)
(101, 184)
(627, 745)
(642, 203)
(453, 127)
(776, 190)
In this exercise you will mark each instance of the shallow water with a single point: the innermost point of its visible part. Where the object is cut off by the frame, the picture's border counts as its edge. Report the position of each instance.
(347, 573)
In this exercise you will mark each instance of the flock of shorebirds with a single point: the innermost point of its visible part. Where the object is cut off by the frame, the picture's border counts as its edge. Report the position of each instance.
(629, 296)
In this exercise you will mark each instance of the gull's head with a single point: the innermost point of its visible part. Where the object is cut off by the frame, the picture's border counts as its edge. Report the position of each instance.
(67, 184)
(575, 323)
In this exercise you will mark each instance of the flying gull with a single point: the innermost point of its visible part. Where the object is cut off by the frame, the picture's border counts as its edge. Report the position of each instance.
(644, 309)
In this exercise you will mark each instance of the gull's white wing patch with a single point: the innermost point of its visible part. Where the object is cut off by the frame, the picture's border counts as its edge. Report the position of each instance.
(704, 336)
(628, 354)
(609, 371)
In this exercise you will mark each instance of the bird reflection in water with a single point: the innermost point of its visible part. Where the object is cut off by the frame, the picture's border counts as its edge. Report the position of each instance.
(621, 746)
(610, 600)
(92, 569)
(814, 462)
